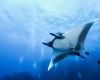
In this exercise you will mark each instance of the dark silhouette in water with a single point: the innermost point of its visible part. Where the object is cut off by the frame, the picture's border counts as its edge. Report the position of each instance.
(87, 53)
(98, 61)
(65, 45)
(19, 76)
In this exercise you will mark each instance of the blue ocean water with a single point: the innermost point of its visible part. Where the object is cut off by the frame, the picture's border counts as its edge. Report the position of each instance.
(25, 24)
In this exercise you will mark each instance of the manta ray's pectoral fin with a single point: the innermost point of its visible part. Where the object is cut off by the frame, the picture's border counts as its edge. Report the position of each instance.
(83, 33)
(57, 57)
(50, 65)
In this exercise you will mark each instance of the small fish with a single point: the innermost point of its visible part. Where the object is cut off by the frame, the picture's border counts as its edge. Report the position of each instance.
(98, 61)
(87, 53)
(71, 48)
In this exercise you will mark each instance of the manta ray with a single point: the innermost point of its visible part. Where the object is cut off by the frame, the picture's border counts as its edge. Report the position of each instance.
(68, 44)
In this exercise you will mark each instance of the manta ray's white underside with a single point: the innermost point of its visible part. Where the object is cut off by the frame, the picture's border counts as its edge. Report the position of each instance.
(73, 42)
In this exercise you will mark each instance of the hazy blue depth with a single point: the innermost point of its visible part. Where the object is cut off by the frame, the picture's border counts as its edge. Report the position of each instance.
(25, 24)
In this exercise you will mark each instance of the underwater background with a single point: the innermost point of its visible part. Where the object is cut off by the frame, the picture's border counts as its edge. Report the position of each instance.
(25, 24)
